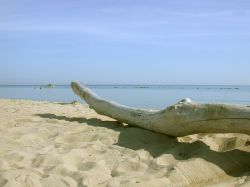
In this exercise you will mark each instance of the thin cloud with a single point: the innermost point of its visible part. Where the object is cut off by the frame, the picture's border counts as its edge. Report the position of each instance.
(115, 32)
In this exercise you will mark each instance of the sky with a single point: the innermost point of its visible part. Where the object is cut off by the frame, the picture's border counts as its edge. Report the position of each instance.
(125, 41)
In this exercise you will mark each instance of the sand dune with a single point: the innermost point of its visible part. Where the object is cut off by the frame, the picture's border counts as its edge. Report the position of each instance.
(59, 144)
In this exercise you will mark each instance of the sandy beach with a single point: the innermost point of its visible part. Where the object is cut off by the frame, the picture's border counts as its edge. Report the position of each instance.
(63, 144)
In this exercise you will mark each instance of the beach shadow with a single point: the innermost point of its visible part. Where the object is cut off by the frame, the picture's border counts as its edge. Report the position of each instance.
(235, 162)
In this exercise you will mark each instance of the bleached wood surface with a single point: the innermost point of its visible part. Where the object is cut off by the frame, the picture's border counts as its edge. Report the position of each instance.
(183, 118)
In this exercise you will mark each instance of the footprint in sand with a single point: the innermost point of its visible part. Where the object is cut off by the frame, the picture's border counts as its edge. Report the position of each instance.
(86, 166)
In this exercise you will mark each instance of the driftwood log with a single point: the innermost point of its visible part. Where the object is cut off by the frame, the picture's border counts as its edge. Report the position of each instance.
(183, 118)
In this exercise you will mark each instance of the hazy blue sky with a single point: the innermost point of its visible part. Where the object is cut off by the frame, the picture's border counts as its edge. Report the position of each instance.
(125, 41)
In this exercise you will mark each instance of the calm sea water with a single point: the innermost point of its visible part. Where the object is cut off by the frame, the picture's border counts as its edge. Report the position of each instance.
(144, 96)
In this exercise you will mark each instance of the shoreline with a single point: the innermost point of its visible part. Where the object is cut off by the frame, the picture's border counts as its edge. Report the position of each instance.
(54, 143)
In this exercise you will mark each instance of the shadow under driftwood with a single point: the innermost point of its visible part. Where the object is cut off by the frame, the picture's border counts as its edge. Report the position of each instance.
(234, 163)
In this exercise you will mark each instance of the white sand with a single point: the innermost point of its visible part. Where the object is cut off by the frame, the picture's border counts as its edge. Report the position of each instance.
(52, 144)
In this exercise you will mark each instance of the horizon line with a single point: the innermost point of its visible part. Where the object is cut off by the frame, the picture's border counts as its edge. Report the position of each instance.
(130, 84)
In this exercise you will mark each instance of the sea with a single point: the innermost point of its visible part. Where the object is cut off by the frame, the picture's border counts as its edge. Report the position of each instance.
(139, 96)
